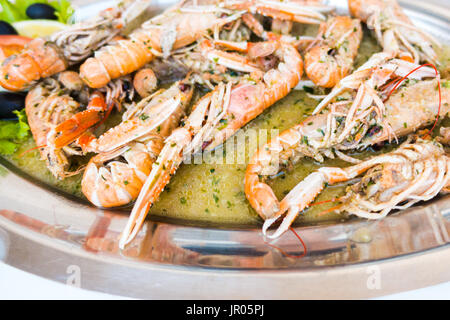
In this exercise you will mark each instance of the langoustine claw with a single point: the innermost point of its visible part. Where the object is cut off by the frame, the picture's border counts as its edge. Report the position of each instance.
(61, 112)
(101, 102)
(47, 105)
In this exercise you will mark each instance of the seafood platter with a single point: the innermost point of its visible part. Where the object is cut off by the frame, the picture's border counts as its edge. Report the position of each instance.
(273, 149)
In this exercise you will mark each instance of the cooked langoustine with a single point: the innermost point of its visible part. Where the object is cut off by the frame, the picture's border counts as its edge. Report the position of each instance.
(332, 58)
(102, 101)
(204, 64)
(356, 117)
(115, 177)
(283, 15)
(43, 57)
(215, 117)
(192, 58)
(302, 11)
(415, 171)
(47, 105)
(209, 58)
(61, 111)
(177, 27)
(210, 64)
(394, 30)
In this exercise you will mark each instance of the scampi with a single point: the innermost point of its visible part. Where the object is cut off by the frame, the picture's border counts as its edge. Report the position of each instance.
(127, 152)
(394, 31)
(44, 57)
(357, 113)
(188, 79)
(416, 171)
(175, 28)
(216, 117)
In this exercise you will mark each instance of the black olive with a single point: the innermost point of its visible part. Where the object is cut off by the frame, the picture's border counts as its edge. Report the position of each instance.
(6, 28)
(10, 101)
(126, 85)
(41, 11)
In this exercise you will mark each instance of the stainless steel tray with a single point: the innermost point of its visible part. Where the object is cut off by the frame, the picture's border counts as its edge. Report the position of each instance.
(49, 234)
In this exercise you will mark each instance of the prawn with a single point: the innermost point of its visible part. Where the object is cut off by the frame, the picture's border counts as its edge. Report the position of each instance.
(115, 176)
(332, 59)
(43, 57)
(394, 30)
(359, 113)
(416, 171)
(173, 29)
(216, 117)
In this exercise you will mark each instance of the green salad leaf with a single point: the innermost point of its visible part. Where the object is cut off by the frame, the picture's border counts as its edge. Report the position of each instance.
(16, 11)
(7, 147)
(64, 10)
(10, 12)
(23, 129)
(12, 133)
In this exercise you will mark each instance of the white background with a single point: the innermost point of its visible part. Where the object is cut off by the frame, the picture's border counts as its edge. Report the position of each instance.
(17, 284)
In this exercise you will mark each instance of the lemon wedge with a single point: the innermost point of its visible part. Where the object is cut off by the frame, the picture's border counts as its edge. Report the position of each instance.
(38, 27)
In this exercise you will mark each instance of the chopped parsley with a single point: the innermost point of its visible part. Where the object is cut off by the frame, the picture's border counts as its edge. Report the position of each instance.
(216, 198)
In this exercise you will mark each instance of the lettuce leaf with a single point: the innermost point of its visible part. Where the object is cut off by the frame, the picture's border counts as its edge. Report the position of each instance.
(7, 147)
(64, 10)
(12, 133)
(23, 129)
(8, 130)
(10, 12)
(16, 11)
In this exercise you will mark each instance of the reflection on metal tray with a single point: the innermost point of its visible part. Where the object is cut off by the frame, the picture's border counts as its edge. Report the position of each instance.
(47, 233)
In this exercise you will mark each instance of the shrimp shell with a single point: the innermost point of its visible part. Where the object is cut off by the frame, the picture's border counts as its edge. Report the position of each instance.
(330, 61)
(129, 55)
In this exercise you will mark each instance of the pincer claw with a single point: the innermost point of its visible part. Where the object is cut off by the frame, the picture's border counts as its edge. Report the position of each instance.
(71, 129)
